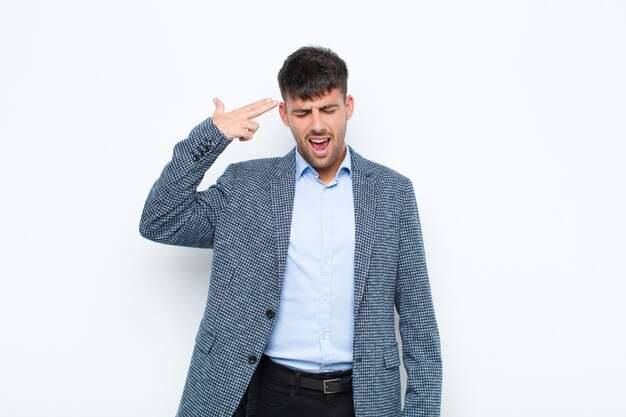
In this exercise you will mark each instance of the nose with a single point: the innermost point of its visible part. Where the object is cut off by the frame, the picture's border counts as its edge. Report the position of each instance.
(316, 121)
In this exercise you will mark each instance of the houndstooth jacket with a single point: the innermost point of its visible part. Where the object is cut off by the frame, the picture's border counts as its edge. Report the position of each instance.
(246, 218)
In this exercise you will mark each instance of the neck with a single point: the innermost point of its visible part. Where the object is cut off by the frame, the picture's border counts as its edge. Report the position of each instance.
(327, 174)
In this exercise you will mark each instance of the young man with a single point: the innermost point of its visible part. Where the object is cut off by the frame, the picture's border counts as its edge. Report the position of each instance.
(312, 252)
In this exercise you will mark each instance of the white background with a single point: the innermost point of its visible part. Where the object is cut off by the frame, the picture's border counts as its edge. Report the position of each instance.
(509, 117)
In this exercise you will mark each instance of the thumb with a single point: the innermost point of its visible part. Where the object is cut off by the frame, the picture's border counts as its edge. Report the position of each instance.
(219, 106)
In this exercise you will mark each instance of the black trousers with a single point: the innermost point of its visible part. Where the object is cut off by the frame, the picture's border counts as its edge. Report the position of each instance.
(277, 399)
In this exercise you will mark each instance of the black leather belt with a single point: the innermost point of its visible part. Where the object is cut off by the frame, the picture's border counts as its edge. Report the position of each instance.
(325, 382)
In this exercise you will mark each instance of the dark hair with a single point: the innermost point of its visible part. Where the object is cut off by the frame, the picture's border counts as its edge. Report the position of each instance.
(311, 72)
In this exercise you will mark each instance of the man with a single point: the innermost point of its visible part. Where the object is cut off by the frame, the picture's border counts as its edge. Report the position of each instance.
(312, 251)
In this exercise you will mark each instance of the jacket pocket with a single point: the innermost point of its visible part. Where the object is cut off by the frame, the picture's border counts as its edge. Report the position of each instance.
(204, 341)
(391, 357)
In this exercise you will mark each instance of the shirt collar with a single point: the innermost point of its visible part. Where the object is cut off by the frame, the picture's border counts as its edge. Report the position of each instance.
(302, 165)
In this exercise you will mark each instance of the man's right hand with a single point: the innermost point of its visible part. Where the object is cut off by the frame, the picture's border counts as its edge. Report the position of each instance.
(238, 123)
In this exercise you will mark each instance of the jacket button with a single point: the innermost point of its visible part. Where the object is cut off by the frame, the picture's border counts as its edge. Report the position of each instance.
(270, 314)
(252, 359)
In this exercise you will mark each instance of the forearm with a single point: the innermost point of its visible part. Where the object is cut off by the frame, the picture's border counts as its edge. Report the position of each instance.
(174, 212)
(424, 380)
(422, 359)
(421, 344)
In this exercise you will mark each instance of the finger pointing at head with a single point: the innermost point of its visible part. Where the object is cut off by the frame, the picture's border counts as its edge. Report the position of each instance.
(262, 106)
(238, 122)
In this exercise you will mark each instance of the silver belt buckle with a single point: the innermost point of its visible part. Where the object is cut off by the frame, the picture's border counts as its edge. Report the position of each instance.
(326, 389)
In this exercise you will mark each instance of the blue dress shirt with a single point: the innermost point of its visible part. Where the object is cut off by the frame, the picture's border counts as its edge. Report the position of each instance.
(313, 331)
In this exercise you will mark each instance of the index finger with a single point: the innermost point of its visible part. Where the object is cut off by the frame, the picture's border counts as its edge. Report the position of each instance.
(258, 108)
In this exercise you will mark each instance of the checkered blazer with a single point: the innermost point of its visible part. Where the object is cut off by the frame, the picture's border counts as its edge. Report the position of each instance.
(246, 218)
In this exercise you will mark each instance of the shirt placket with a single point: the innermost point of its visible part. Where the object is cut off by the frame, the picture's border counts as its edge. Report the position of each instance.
(326, 279)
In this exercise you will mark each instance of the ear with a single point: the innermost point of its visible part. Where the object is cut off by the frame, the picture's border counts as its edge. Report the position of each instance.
(349, 107)
(282, 110)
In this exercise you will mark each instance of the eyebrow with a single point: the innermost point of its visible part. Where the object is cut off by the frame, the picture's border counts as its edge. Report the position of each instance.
(323, 108)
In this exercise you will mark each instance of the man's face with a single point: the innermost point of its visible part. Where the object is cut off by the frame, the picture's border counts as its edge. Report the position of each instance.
(319, 128)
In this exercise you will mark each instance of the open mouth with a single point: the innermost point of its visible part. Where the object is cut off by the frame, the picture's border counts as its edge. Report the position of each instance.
(319, 144)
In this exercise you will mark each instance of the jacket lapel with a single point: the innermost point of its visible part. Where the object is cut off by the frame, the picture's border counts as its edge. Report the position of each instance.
(283, 189)
(364, 190)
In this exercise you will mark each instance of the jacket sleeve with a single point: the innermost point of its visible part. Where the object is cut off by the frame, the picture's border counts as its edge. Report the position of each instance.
(418, 327)
(175, 212)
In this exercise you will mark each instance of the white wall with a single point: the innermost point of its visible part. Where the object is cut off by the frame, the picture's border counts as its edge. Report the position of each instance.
(509, 117)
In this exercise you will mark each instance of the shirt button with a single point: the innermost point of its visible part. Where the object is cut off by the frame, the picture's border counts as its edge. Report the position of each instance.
(270, 314)
(252, 359)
